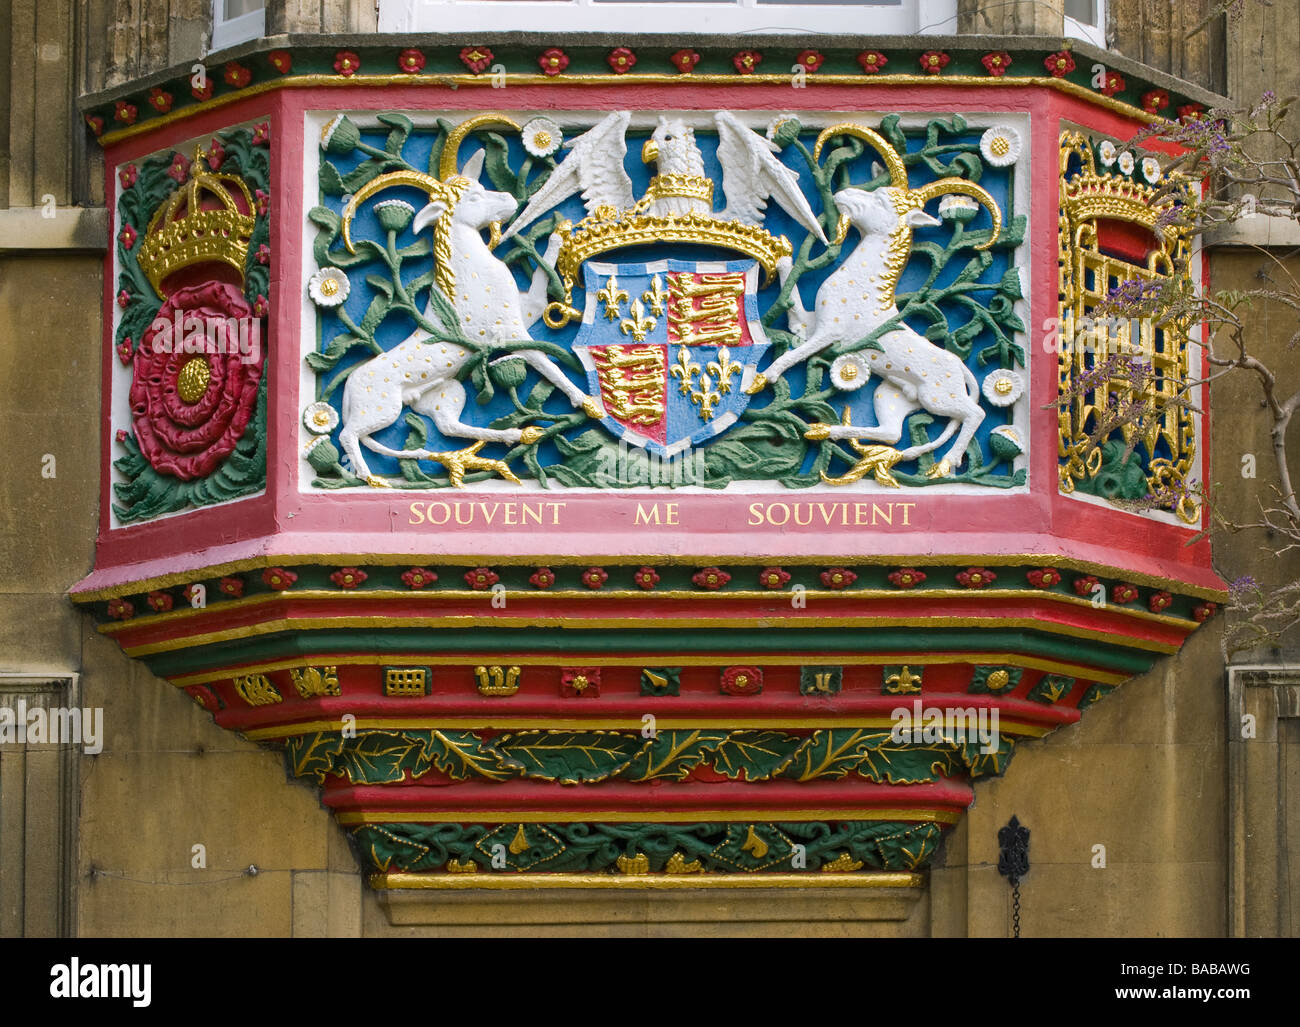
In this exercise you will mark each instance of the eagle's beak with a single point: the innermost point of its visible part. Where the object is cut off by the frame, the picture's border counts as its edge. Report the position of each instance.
(649, 152)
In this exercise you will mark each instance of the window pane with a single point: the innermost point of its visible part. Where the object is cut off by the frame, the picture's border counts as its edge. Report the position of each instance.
(234, 8)
(1082, 11)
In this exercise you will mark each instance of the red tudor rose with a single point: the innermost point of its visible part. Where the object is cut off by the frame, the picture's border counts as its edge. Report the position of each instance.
(1156, 100)
(418, 577)
(976, 577)
(348, 577)
(160, 602)
(160, 100)
(646, 578)
(773, 577)
(190, 409)
(204, 92)
(552, 61)
(621, 60)
(747, 61)
(543, 577)
(237, 75)
(1059, 64)
(278, 579)
(811, 60)
(125, 112)
(1124, 592)
(233, 587)
(837, 577)
(685, 60)
(872, 61)
(711, 578)
(594, 577)
(120, 609)
(1113, 83)
(907, 577)
(1160, 601)
(347, 63)
(281, 61)
(996, 63)
(934, 61)
(410, 61)
(481, 577)
(1084, 586)
(1044, 577)
(1203, 612)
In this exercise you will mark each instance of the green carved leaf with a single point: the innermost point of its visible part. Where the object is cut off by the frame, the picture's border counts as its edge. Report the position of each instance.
(313, 755)
(897, 764)
(754, 755)
(462, 754)
(830, 753)
(383, 757)
(672, 754)
(567, 756)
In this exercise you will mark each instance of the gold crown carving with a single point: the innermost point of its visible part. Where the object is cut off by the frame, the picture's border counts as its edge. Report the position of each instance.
(690, 187)
(184, 232)
(1090, 192)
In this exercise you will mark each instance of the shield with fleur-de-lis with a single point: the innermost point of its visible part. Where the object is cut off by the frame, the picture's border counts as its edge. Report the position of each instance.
(670, 346)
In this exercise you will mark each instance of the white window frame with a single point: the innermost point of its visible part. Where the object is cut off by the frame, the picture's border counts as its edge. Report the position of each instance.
(228, 32)
(909, 17)
(1094, 34)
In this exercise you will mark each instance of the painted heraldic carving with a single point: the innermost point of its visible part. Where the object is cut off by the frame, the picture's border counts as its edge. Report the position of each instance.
(751, 175)
(593, 167)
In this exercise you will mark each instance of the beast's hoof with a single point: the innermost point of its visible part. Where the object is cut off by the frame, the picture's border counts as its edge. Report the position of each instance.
(591, 407)
(377, 483)
(817, 431)
(757, 385)
(531, 435)
(940, 470)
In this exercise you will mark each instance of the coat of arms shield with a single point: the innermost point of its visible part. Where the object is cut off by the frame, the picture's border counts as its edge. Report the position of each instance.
(669, 346)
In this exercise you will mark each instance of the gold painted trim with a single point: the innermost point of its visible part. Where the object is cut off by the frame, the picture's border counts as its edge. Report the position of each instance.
(636, 882)
(538, 560)
(456, 82)
(543, 722)
(601, 623)
(150, 620)
(461, 659)
(685, 816)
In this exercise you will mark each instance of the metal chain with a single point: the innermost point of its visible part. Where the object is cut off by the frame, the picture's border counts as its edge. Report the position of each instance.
(1015, 906)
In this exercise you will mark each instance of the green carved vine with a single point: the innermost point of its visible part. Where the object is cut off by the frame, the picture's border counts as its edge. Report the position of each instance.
(598, 848)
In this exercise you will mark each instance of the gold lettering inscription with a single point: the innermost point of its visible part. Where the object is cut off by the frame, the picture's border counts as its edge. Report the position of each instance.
(515, 514)
(826, 515)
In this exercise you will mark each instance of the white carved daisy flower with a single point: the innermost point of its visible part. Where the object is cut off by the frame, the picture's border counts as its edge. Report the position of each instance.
(320, 418)
(1150, 169)
(956, 207)
(775, 124)
(1126, 162)
(1000, 146)
(542, 137)
(1002, 388)
(1107, 152)
(328, 287)
(849, 372)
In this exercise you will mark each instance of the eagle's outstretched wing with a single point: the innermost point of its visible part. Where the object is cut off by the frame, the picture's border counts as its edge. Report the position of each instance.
(751, 174)
(593, 167)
